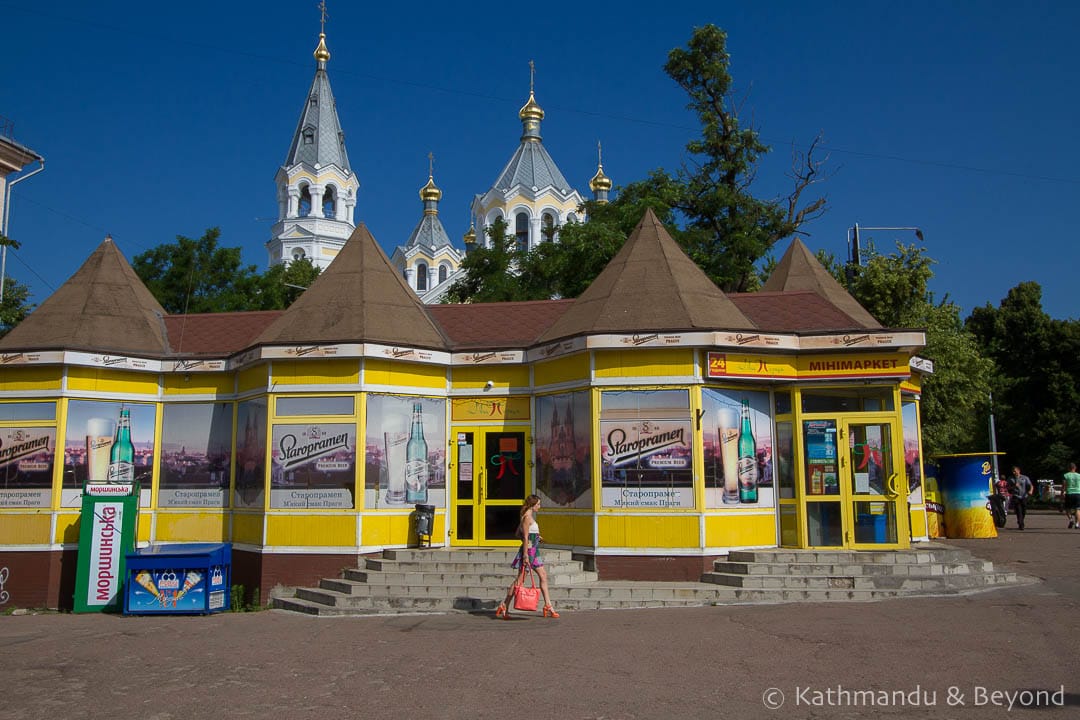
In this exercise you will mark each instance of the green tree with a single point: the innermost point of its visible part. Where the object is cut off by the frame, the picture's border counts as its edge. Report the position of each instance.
(281, 284)
(198, 276)
(955, 398)
(707, 204)
(15, 306)
(1037, 388)
(566, 267)
(491, 271)
(727, 229)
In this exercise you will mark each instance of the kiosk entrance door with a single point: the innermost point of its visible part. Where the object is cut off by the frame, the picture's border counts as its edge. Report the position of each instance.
(488, 485)
(855, 491)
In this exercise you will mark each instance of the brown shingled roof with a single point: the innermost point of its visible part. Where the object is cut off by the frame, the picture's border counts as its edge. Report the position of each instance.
(102, 308)
(800, 270)
(487, 326)
(217, 333)
(359, 298)
(649, 286)
(793, 311)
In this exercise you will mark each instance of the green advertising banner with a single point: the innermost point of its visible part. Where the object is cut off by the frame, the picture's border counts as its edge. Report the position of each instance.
(106, 535)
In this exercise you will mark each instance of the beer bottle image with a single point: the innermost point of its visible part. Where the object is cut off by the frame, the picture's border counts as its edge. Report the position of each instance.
(747, 458)
(416, 459)
(122, 453)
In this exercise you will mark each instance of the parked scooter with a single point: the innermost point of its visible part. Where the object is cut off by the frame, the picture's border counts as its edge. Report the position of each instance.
(999, 502)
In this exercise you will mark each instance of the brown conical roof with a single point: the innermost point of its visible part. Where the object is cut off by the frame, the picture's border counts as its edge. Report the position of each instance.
(800, 270)
(104, 308)
(649, 286)
(359, 298)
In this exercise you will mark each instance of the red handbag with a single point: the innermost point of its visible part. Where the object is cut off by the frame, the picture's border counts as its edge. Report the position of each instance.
(527, 598)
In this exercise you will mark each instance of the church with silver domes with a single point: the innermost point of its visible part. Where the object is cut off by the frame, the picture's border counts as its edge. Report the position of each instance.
(317, 195)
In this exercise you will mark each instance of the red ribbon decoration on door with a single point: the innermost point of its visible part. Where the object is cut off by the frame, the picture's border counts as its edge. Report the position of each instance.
(503, 461)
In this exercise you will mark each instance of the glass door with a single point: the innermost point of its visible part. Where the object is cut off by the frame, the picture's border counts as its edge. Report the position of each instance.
(875, 489)
(824, 504)
(489, 472)
(855, 498)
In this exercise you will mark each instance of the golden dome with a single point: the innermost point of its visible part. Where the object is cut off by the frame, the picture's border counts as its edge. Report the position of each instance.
(600, 181)
(470, 235)
(321, 53)
(531, 110)
(430, 191)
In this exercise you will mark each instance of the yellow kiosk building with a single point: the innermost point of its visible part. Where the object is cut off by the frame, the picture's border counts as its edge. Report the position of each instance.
(662, 422)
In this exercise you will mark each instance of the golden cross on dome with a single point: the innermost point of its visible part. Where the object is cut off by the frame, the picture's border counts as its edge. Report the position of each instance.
(431, 164)
(532, 75)
(322, 13)
(599, 155)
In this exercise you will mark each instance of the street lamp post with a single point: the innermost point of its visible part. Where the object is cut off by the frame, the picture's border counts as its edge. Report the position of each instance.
(7, 213)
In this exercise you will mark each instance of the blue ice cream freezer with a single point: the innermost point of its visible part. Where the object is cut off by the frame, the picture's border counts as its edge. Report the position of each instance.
(182, 579)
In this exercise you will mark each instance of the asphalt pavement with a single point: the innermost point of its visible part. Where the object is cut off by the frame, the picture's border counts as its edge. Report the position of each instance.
(1000, 653)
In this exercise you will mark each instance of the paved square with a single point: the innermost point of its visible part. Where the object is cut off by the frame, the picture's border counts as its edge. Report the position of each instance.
(839, 660)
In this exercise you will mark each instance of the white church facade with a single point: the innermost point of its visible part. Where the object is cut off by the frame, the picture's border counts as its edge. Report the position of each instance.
(317, 192)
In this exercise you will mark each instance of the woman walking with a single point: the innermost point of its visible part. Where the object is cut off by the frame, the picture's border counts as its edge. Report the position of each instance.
(528, 557)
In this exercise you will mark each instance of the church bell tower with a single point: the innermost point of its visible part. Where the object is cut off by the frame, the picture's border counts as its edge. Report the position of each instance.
(316, 187)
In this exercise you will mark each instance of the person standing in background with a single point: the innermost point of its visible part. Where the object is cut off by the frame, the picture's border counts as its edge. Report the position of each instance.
(1071, 496)
(1020, 487)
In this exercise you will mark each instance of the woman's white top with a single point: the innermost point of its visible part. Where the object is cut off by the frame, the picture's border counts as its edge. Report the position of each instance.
(534, 528)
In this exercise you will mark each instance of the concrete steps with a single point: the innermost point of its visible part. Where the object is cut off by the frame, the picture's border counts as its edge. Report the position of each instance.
(808, 574)
(444, 580)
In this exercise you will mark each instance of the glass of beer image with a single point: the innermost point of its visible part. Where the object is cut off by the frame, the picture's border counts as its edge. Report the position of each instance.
(99, 438)
(729, 452)
(395, 445)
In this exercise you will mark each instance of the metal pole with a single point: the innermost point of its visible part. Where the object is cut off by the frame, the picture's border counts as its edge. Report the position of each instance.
(993, 440)
(856, 253)
(7, 213)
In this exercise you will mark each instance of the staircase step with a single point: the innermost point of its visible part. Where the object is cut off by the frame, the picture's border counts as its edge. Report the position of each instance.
(787, 569)
(447, 580)
(382, 565)
(431, 566)
(780, 582)
(755, 595)
(460, 555)
(927, 556)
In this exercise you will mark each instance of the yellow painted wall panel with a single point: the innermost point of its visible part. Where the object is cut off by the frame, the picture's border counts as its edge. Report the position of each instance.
(32, 378)
(25, 528)
(192, 527)
(142, 526)
(67, 528)
(739, 530)
(382, 529)
(199, 384)
(310, 530)
(119, 381)
(389, 529)
(253, 378)
(561, 370)
(671, 531)
(564, 529)
(917, 515)
(644, 363)
(406, 375)
(497, 407)
(503, 376)
(247, 528)
(316, 372)
(377, 529)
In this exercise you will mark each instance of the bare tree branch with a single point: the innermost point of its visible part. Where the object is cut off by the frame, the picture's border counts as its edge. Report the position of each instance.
(806, 170)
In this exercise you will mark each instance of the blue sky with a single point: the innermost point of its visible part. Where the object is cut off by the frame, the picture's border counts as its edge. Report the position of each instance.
(164, 119)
